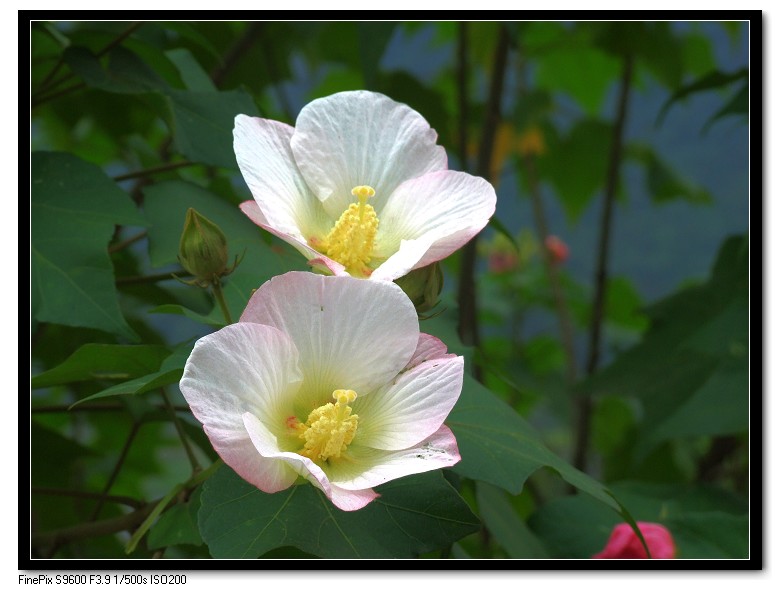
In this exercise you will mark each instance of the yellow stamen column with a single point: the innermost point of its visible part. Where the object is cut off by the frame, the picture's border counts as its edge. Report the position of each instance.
(330, 428)
(351, 241)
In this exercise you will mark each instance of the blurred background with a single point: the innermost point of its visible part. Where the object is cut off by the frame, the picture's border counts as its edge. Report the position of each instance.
(619, 153)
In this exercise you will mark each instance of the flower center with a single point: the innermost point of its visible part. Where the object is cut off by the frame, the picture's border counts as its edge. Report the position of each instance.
(329, 429)
(351, 241)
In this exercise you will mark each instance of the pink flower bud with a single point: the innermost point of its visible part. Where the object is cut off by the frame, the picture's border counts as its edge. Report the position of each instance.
(501, 262)
(623, 543)
(557, 248)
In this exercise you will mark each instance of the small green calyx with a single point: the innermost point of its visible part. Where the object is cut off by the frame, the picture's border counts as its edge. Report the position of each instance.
(423, 286)
(203, 250)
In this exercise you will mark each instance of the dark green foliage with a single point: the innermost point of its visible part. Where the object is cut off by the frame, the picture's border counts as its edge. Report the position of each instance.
(132, 126)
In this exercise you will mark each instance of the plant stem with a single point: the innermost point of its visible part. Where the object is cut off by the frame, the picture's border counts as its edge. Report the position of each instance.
(46, 98)
(53, 539)
(160, 506)
(154, 170)
(48, 83)
(585, 404)
(128, 242)
(468, 326)
(163, 276)
(220, 297)
(139, 518)
(117, 468)
(177, 424)
(553, 276)
(90, 407)
(126, 500)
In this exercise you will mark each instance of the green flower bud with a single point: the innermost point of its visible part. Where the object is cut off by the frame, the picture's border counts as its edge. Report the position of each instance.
(202, 249)
(423, 286)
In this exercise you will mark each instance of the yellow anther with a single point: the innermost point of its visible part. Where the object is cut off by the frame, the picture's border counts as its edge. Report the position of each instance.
(351, 241)
(363, 192)
(330, 428)
(344, 396)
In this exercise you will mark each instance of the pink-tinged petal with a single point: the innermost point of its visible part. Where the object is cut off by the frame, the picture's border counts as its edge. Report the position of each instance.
(316, 259)
(264, 156)
(428, 348)
(412, 408)
(362, 138)
(349, 500)
(349, 333)
(370, 467)
(240, 454)
(266, 445)
(445, 208)
(241, 368)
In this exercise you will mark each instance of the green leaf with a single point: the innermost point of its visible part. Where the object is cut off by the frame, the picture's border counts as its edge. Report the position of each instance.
(52, 456)
(413, 515)
(75, 207)
(497, 446)
(506, 525)
(709, 81)
(202, 124)
(372, 39)
(104, 361)
(690, 372)
(623, 304)
(170, 371)
(166, 205)
(584, 72)
(663, 183)
(576, 164)
(177, 525)
(192, 74)
(125, 73)
(738, 105)
(705, 522)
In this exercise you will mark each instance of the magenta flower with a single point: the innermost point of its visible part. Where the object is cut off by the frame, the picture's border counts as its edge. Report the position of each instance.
(327, 378)
(623, 543)
(359, 186)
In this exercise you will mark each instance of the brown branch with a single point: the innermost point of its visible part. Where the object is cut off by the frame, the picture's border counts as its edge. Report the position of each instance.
(128, 242)
(585, 405)
(468, 327)
(48, 83)
(236, 52)
(52, 540)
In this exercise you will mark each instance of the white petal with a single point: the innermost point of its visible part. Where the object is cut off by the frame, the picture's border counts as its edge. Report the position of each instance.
(408, 256)
(412, 408)
(263, 154)
(270, 475)
(362, 138)
(445, 208)
(350, 333)
(316, 259)
(428, 348)
(265, 444)
(371, 467)
(241, 368)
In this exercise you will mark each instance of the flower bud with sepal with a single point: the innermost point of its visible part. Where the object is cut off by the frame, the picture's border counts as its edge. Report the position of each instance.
(423, 286)
(203, 249)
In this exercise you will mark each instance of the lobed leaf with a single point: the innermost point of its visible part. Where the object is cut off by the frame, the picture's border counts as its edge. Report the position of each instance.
(413, 515)
(75, 207)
